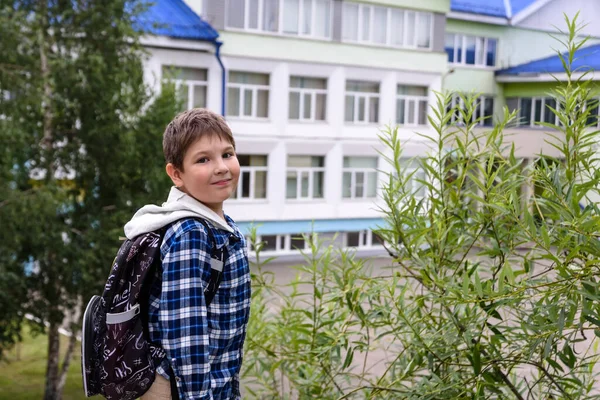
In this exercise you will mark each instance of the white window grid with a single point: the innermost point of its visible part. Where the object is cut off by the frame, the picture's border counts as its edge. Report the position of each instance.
(283, 242)
(252, 173)
(365, 240)
(458, 101)
(481, 50)
(415, 100)
(417, 186)
(313, 102)
(280, 31)
(310, 172)
(532, 121)
(356, 96)
(191, 86)
(410, 39)
(253, 89)
(354, 185)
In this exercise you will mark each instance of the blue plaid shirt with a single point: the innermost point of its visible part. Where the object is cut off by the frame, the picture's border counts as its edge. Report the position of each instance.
(204, 346)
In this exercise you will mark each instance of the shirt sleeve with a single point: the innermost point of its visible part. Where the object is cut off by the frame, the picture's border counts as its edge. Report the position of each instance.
(183, 313)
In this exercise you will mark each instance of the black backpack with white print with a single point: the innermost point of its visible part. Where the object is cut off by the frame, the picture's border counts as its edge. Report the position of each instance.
(118, 360)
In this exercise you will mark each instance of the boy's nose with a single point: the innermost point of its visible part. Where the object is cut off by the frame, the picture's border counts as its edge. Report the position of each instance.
(221, 167)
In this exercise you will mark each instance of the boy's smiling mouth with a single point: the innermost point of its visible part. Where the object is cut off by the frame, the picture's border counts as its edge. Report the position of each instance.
(222, 182)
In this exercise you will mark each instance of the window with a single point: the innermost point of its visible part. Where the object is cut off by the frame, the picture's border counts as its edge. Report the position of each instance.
(592, 106)
(386, 26)
(471, 50)
(356, 239)
(411, 105)
(271, 243)
(359, 177)
(310, 18)
(253, 177)
(308, 98)
(190, 84)
(484, 109)
(533, 110)
(362, 101)
(362, 239)
(417, 175)
(248, 95)
(305, 177)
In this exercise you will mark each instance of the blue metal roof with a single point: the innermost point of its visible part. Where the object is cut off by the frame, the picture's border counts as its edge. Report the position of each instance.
(586, 58)
(520, 5)
(308, 226)
(175, 19)
(491, 8)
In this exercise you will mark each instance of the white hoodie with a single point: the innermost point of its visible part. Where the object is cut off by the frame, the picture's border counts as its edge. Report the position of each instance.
(178, 205)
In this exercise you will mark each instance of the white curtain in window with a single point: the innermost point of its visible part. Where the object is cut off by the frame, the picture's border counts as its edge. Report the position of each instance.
(424, 33)
(253, 14)
(270, 15)
(235, 13)
(366, 23)
(307, 17)
(350, 22)
(322, 18)
(397, 28)
(360, 162)
(291, 11)
(411, 32)
(380, 25)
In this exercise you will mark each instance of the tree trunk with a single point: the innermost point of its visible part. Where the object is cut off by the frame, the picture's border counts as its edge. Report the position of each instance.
(62, 379)
(51, 391)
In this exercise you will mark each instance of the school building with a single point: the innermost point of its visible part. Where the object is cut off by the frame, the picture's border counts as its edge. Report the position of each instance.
(306, 85)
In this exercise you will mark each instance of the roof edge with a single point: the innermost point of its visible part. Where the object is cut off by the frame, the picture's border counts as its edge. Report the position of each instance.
(472, 17)
(528, 11)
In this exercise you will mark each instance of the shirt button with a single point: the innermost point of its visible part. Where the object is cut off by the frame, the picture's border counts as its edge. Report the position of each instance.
(178, 379)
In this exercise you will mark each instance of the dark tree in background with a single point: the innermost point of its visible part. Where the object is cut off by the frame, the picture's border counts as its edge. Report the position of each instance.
(80, 151)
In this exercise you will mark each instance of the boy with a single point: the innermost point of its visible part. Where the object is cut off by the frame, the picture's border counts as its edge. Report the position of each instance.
(203, 344)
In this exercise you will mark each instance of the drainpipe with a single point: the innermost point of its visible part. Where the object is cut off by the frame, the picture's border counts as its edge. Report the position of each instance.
(218, 54)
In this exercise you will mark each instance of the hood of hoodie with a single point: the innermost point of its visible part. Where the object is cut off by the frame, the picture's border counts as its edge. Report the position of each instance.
(178, 205)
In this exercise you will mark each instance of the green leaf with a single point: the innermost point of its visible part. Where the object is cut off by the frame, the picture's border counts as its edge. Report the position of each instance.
(476, 357)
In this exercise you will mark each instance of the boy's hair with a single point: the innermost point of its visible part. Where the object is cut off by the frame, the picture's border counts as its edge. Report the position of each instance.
(189, 126)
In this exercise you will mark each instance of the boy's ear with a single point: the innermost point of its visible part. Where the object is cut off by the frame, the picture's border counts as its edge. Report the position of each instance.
(174, 174)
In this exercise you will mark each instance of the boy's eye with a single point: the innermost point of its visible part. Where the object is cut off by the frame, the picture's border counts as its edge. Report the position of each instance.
(227, 155)
(202, 160)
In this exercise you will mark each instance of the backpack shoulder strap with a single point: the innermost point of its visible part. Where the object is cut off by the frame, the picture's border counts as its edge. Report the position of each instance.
(217, 261)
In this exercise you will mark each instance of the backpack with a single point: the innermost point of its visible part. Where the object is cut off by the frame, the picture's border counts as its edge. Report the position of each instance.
(117, 359)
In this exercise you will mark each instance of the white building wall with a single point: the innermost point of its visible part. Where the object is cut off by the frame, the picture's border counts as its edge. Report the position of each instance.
(552, 14)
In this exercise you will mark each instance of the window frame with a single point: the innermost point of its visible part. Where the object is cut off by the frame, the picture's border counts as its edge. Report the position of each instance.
(190, 83)
(357, 95)
(252, 170)
(408, 42)
(485, 122)
(313, 93)
(416, 99)
(312, 171)
(254, 88)
(353, 171)
(533, 123)
(280, 18)
(463, 44)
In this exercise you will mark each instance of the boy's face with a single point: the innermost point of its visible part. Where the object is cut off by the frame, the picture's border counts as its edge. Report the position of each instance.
(210, 171)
